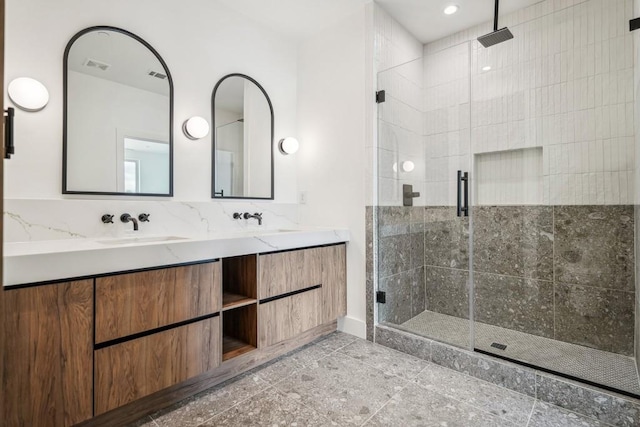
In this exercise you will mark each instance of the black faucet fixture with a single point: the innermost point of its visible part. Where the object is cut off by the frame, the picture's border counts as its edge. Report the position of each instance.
(125, 217)
(256, 215)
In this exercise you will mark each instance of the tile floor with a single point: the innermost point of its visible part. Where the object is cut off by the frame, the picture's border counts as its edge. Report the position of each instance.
(342, 380)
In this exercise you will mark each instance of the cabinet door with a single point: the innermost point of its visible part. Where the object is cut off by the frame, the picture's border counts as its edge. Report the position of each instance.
(133, 369)
(285, 272)
(127, 304)
(334, 282)
(287, 317)
(48, 365)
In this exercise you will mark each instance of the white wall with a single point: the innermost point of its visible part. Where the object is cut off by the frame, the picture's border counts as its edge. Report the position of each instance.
(205, 47)
(331, 159)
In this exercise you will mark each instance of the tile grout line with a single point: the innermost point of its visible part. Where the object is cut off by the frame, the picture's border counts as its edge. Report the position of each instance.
(535, 402)
(466, 403)
(429, 362)
(233, 406)
(411, 381)
(286, 395)
(380, 409)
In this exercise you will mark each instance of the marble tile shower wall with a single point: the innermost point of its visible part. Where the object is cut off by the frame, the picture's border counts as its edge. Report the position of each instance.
(565, 83)
(561, 272)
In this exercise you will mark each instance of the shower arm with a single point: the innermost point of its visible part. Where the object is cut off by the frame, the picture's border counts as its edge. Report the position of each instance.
(495, 16)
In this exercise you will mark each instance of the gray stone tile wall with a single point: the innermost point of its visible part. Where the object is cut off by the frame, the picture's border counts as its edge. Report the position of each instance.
(637, 280)
(563, 272)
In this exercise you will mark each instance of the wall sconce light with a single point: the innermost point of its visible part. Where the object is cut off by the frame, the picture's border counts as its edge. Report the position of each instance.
(408, 166)
(288, 145)
(195, 128)
(28, 94)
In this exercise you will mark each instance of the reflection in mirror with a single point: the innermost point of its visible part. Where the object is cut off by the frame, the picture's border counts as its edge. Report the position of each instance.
(242, 139)
(118, 116)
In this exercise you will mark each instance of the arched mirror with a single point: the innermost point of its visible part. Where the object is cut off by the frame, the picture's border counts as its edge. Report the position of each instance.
(242, 139)
(118, 111)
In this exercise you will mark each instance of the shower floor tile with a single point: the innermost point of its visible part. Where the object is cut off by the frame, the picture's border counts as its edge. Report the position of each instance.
(589, 364)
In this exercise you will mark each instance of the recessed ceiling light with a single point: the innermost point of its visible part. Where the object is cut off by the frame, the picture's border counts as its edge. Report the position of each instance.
(451, 9)
(486, 68)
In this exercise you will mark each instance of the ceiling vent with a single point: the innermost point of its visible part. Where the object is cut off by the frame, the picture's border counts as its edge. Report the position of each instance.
(157, 75)
(92, 63)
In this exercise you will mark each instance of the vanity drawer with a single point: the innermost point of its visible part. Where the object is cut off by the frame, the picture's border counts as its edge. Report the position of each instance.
(133, 369)
(290, 271)
(287, 317)
(127, 304)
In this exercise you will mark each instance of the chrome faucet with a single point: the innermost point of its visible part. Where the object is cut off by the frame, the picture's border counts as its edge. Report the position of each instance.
(256, 215)
(125, 217)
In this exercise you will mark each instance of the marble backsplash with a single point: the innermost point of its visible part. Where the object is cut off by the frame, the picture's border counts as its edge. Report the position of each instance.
(562, 272)
(38, 219)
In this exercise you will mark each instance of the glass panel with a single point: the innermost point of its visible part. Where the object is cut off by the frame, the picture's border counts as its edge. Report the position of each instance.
(553, 156)
(423, 250)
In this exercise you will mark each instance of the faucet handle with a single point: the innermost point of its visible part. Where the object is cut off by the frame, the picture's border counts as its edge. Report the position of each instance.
(107, 219)
(237, 215)
(144, 217)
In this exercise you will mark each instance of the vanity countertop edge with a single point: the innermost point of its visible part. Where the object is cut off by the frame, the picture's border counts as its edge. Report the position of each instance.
(57, 260)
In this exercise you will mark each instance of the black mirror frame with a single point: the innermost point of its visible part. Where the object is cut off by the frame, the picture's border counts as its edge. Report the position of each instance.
(214, 195)
(65, 102)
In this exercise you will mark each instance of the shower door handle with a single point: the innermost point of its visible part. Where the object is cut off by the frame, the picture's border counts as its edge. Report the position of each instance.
(463, 199)
(9, 148)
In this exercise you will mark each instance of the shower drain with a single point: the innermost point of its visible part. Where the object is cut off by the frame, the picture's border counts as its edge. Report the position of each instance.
(498, 346)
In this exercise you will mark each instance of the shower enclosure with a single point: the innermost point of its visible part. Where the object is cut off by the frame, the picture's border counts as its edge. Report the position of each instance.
(541, 269)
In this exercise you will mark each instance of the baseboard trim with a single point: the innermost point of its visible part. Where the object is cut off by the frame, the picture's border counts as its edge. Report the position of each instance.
(353, 326)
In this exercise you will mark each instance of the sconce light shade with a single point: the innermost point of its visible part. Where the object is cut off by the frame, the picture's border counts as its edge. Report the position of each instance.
(288, 145)
(195, 128)
(28, 94)
(408, 166)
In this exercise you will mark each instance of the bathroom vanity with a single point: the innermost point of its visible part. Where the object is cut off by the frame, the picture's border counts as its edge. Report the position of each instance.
(108, 347)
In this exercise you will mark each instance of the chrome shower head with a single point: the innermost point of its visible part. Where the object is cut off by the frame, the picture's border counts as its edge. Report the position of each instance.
(495, 37)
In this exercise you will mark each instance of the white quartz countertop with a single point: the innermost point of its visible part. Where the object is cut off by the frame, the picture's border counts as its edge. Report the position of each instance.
(49, 260)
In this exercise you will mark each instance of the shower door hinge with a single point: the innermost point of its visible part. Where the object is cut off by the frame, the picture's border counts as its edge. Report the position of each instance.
(634, 24)
(381, 297)
(380, 97)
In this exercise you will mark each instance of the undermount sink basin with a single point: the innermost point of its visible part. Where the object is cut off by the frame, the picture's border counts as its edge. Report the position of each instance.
(140, 239)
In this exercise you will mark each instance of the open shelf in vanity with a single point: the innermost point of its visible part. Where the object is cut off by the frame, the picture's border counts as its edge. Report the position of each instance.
(239, 305)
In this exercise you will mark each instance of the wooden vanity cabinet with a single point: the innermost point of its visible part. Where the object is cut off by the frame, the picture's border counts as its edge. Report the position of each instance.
(283, 272)
(48, 360)
(334, 282)
(284, 318)
(155, 329)
(109, 349)
(300, 290)
(131, 303)
(133, 369)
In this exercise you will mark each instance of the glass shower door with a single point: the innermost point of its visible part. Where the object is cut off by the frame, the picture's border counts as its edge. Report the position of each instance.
(424, 249)
(553, 164)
